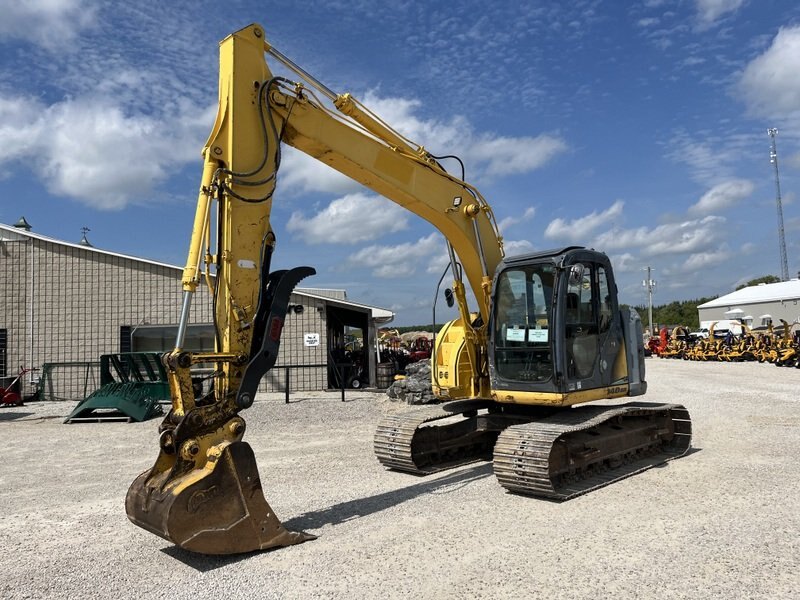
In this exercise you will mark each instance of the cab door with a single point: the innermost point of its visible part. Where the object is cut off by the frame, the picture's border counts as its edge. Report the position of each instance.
(592, 334)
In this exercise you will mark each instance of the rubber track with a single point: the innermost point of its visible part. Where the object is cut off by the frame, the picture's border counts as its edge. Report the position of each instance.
(393, 437)
(522, 452)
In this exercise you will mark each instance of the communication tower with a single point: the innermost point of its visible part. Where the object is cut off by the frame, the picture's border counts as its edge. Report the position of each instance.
(773, 158)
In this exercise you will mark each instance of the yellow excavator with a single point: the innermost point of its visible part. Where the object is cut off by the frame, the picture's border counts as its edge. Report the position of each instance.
(546, 333)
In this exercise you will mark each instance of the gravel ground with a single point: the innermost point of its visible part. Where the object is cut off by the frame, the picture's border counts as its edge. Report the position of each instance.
(721, 522)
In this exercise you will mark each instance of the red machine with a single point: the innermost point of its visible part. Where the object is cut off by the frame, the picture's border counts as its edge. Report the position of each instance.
(420, 349)
(7, 394)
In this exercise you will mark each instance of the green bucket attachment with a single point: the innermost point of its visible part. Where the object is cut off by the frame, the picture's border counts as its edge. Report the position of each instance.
(132, 387)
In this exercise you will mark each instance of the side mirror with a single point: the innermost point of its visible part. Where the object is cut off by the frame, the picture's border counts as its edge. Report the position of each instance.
(576, 274)
(449, 298)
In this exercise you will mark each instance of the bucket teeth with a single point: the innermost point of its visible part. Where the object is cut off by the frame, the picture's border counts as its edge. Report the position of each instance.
(217, 509)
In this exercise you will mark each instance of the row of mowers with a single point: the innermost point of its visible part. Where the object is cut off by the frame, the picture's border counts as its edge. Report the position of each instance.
(781, 348)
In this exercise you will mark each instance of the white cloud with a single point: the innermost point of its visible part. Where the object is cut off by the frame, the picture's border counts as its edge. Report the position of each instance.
(769, 84)
(793, 160)
(703, 260)
(511, 156)
(624, 263)
(722, 196)
(528, 215)
(51, 24)
(580, 229)
(648, 22)
(692, 61)
(792, 224)
(710, 159)
(129, 145)
(517, 247)
(349, 220)
(90, 150)
(671, 238)
(390, 262)
(20, 126)
(486, 155)
(710, 11)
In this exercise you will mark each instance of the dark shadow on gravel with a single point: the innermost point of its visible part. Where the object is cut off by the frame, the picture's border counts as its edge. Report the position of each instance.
(339, 513)
(10, 416)
(203, 562)
(689, 452)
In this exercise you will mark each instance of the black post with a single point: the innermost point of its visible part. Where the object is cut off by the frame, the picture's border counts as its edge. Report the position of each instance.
(86, 379)
(341, 378)
(286, 386)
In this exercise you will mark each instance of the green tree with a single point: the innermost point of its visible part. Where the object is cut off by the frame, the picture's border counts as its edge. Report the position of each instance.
(764, 279)
(682, 312)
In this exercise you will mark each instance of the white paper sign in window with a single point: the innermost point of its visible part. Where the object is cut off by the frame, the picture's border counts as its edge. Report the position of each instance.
(538, 335)
(515, 334)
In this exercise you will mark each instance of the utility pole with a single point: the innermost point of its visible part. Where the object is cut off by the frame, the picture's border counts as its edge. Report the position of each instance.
(649, 284)
(773, 158)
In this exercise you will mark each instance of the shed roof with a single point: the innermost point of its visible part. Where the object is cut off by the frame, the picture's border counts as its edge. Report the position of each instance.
(13, 234)
(755, 294)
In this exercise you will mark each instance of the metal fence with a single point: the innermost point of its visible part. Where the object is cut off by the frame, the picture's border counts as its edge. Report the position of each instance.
(340, 369)
(68, 381)
(74, 381)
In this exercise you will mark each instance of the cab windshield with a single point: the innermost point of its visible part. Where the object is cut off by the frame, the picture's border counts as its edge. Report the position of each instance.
(522, 323)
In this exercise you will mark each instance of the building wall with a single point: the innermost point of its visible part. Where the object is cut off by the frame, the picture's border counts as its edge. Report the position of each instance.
(789, 310)
(14, 257)
(64, 303)
(294, 351)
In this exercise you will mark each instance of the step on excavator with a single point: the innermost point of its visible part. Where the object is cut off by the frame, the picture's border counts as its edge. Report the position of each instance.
(514, 372)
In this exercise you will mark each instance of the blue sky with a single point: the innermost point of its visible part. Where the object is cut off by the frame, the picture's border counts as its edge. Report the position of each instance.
(637, 128)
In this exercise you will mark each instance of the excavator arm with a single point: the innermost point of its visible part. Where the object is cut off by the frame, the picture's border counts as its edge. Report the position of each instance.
(361, 146)
(258, 111)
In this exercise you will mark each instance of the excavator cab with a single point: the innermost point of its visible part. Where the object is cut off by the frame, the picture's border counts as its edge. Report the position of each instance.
(556, 327)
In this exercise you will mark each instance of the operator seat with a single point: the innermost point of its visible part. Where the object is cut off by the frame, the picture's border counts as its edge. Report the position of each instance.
(581, 339)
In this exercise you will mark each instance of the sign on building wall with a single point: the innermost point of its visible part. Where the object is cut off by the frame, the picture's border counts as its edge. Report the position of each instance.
(311, 339)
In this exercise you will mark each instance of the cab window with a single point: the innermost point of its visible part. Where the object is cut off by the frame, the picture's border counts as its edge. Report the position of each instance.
(522, 323)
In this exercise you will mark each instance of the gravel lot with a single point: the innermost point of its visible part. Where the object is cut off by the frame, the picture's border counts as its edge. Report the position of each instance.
(721, 522)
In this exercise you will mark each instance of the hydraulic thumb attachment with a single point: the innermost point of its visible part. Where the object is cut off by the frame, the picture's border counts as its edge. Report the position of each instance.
(204, 491)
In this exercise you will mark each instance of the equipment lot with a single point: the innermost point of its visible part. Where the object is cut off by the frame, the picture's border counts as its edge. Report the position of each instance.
(721, 522)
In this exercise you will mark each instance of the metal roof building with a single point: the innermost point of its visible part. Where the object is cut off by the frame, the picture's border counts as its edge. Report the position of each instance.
(756, 305)
(69, 303)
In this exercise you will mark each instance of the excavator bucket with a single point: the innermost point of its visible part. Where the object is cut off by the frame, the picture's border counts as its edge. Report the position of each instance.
(217, 509)
(204, 493)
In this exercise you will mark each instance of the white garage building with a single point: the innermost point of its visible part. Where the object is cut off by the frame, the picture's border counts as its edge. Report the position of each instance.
(756, 305)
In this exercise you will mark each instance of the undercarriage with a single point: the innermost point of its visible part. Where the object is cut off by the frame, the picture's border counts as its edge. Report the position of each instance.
(544, 452)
